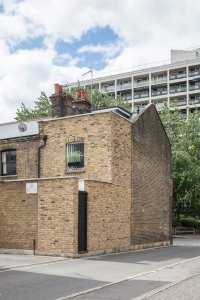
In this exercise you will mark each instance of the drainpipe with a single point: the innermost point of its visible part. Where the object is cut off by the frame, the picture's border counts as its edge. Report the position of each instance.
(39, 153)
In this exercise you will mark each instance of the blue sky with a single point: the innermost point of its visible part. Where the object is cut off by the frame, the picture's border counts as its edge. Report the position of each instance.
(46, 42)
(95, 36)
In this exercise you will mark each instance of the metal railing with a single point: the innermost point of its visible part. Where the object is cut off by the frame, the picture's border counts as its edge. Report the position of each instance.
(194, 87)
(177, 76)
(185, 230)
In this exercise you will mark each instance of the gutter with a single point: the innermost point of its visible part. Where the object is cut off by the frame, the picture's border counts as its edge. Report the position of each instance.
(39, 153)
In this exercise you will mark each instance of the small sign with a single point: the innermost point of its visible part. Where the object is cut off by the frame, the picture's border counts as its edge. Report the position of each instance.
(81, 185)
(31, 188)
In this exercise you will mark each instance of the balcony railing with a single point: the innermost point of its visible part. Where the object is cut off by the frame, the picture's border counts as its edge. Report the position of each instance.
(141, 83)
(177, 76)
(177, 90)
(161, 80)
(126, 97)
(141, 95)
(194, 73)
(194, 101)
(181, 102)
(157, 93)
(124, 86)
(194, 87)
(107, 89)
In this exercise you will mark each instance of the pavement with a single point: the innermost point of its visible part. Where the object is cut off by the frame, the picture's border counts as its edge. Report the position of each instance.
(161, 273)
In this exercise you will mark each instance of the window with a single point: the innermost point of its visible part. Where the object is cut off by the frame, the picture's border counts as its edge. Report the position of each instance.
(75, 156)
(8, 162)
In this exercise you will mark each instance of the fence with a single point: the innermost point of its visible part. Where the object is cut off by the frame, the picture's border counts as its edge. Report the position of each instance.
(185, 230)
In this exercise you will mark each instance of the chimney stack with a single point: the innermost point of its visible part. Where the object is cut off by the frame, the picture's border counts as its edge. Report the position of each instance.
(58, 88)
(64, 105)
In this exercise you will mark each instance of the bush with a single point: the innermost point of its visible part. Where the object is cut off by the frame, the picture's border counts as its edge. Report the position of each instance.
(190, 222)
(175, 221)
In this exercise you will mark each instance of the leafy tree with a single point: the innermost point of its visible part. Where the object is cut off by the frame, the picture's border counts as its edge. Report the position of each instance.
(184, 135)
(42, 106)
(101, 101)
(41, 109)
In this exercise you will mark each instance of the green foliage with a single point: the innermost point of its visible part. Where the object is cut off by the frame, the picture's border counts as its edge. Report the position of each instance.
(184, 136)
(101, 101)
(190, 222)
(41, 109)
(74, 156)
(175, 221)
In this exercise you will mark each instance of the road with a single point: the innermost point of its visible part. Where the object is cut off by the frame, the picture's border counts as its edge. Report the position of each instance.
(162, 273)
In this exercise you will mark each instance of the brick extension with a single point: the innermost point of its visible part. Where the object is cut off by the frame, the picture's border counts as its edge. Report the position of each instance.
(127, 177)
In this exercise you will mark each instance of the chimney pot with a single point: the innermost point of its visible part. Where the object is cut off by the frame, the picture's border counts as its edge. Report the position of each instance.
(58, 88)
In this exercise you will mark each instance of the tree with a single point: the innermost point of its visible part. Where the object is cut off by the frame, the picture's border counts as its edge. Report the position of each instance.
(184, 135)
(101, 101)
(41, 109)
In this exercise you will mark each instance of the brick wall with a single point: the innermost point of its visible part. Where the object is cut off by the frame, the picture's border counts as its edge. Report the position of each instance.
(27, 156)
(121, 151)
(51, 217)
(108, 217)
(94, 130)
(152, 194)
(127, 178)
(18, 216)
(57, 216)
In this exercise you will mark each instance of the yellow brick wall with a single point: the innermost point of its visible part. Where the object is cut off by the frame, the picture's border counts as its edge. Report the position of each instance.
(108, 217)
(27, 156)
(18, 216)
(127, 176)
(94, 130)
(152, 186)
(57, 216)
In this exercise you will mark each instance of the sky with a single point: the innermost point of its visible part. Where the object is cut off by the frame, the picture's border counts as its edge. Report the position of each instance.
(43, 42)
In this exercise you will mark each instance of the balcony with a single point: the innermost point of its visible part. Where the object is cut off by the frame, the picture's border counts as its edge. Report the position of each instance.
(158, 93)
(180, 101)
(194, 73)
(126, 97)
(194, 86)
(110, 88)
(159, 80)
(141, 81)
(141, 95)
(177, 76)
(124, 86)
(194, 101)
(177, 89)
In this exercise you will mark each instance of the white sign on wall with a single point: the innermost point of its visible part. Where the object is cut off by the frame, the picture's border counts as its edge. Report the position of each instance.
(81, 185)
(31, 188)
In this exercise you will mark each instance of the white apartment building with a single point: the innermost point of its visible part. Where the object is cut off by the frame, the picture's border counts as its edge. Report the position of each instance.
(177, 81)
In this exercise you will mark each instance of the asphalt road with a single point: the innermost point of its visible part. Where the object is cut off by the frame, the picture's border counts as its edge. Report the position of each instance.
(162, 273)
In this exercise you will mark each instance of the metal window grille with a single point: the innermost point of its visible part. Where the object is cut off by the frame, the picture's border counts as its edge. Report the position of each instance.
(75, 156)
(8, 162)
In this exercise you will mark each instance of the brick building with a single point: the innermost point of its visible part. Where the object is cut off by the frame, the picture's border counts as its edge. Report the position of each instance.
(83, 182)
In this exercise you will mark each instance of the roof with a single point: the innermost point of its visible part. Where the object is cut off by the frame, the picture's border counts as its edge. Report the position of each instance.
(18, 129)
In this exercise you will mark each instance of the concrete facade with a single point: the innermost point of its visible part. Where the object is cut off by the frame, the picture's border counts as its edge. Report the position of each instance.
(126, 175)
(159, 83)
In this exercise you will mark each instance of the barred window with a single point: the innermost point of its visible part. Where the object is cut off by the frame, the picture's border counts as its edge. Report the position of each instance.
(8, 162)
(75, 156)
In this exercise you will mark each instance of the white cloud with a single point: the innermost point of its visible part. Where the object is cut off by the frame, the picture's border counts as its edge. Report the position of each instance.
(108, 51)
(147, 30)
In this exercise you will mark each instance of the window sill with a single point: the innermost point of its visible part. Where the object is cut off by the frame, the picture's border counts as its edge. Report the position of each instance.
(7, 177)
(75, 171)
